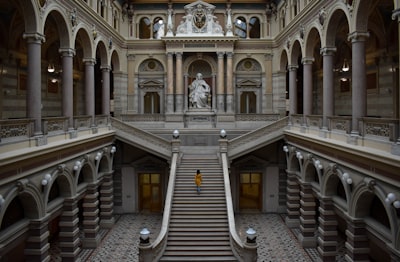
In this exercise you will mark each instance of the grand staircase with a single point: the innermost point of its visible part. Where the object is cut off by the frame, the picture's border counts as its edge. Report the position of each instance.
(198, 228)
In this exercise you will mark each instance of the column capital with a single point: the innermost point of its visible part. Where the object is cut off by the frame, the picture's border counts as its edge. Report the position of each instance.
(67, 51)
(293, 67)
(89, 61)
(105, 68)
(229, 54)
(178, 54)
(307, 60)
(131, 57)
(34, 37)
(268, 57)
(220, 54)
(357, 36)
(328, 50)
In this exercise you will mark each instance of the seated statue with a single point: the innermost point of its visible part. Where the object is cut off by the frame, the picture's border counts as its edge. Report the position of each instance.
(200, 91)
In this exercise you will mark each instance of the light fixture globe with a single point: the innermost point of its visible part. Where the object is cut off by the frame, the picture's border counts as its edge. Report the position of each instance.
(251, 235)
(222, 134)
(175, 134)
(144, 236)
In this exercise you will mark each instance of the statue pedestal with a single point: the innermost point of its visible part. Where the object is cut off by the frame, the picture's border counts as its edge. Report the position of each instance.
(200, 118)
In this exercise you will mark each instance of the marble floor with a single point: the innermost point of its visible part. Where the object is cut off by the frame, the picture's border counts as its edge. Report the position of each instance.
(275, 241)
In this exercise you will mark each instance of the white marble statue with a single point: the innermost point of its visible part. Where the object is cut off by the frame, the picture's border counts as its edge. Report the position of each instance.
(199, 92)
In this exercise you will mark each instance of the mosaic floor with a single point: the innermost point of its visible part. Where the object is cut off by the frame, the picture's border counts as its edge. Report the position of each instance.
(275, 241)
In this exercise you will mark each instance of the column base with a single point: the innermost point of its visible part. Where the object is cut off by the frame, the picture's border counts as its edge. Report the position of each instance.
(109, 223)
(396, 149)
(91, 243)
(307, 242)
(292, 223)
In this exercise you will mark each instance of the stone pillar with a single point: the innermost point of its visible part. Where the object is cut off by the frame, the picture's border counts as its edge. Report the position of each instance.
(179, 83)
(69, 231)
(357, 246)
(37, 244)
(307, 217)
(293, 201)
(229, 83)
(107, 202)
(105, 71)
(214, 96)
(120, 93)
(267, 105)
(293, 89)
(91, 217)
(67, 82)
(132, 92)
(170, 83)
(359, 80)
(327, 228)
(328, 94)
(307, 87)
(34, 81)
(396, 15)
(220, 83)
(185, 91)
(89, 88)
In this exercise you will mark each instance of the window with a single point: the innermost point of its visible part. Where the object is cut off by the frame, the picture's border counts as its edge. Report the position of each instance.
(151, 103)
(241, 27)
(254, 27)
(248, 103)
(144, 28)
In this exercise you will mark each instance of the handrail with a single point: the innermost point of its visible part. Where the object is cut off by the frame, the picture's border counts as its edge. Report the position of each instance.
(243, 251)
(154, 251)
(153, 143)
(255, 139)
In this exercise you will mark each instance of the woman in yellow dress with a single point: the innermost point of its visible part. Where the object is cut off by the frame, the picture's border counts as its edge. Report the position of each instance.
(198, 179)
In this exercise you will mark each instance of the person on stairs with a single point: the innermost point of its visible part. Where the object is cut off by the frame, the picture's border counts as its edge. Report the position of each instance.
(198, 179)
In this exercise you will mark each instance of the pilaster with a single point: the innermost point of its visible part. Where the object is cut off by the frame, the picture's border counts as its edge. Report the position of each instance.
(69, 231)
(327, 228)
(37, 244)
(307, 217)
(107, 202)
(91, 217)
(357, 247)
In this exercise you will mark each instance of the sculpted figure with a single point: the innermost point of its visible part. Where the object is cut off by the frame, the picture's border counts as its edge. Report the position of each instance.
(199, 92)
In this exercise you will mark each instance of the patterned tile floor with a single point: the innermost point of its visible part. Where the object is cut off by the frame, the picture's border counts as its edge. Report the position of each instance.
(275, 241)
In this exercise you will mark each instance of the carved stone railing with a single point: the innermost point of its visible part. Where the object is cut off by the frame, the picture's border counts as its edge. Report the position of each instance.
(143, 117)
(82, 122)
(379, 128)
(142, 139)
(54, 125)
(153, 251)
(16, 129)
(244, 252)
(102, 120)
(257, 138)
(314, 121)
(257, 117)
(340, 124)
(296, 120)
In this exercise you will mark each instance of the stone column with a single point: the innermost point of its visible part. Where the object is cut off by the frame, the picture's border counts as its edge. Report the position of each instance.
(120, 93)
(37, 244)
(170, 83)
(89, 88)
(327, 228)
(359, 80)
(229, 83)
(293, 201)
(69, 231)
(91, 217)
(396, 15)
(105, 71)
(328, 94)
(220, 83)
(357, 247)
(307, 88)
(186, 95)
(267, 106)
(107, 202)
(67, 82)
(214, 96)
(132, 92)
(179, 83)
(34, 81)
(307, 217)
(293, 89)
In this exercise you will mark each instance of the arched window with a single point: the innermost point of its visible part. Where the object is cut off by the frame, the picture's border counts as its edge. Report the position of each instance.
(115, 20)
(254, 27)
(144, 28)
(241, 27)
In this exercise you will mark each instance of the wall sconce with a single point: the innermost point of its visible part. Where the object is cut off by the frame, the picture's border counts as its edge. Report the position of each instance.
(175, 134)
(110, 43)
(347, 179)
(113, 149)
(222, 134)
(250, 235)
(94, 32)
(345, 67)
(78, 164)
(144, 236)
(2, 200)
(318, 164)
(98, 156)
(285, 149)
(46, 180)
(391, 199)
(299, 155)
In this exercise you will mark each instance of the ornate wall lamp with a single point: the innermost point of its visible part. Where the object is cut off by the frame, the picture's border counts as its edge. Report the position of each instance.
(392, 200)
